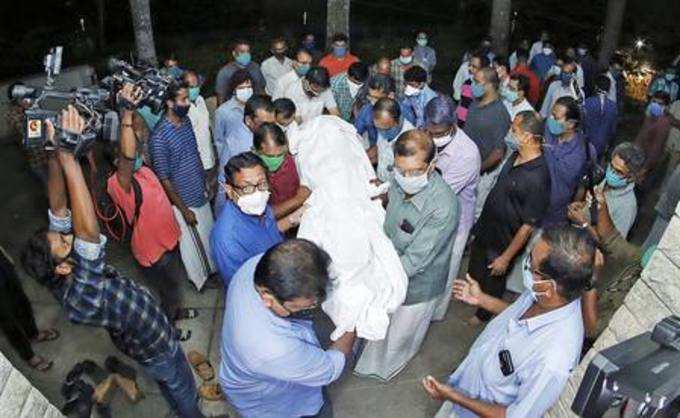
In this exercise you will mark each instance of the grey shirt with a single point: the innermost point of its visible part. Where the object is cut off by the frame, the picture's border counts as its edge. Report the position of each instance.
(224, 77)
(487, 126)
(422, 228)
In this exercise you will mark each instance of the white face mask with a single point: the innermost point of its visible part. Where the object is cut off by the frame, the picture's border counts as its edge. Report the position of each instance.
(547, 51)
(411, 185)
(353, 87)
(406, 60)
(242, 95)
(411, 91)
(442, 140)
(254, 203)
(528, 279)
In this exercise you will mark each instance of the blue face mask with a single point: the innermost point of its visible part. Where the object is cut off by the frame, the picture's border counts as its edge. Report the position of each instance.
(139, 162)
(511, 142)
(670, 76)
(339, 51)
(555, 127)
(654, 109)
(566, 78)
(194, 92)
(243, 58)
(614, 179)
(477, 89)
(302, 69)
(309, 44)
(391, 133)
(510, 95)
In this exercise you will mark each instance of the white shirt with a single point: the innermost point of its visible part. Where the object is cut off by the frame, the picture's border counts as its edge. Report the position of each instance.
(309, 107)
(611, 95)
(386, 153)
(273, 69)
(200, 121)
(557, 90)
(462, 75)
(282, 83)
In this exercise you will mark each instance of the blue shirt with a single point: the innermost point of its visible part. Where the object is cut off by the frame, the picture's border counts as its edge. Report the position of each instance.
(544, 350)
(541, 63)
(413, 107)
(175, 157)
(271, 367)
(566, 162)
(236, 237)
(600, 116)
(364, 123)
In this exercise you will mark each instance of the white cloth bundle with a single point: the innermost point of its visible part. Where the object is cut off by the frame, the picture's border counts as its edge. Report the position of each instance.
(368, 279)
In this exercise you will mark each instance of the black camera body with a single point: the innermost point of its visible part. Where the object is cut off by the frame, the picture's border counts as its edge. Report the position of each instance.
(152, 82)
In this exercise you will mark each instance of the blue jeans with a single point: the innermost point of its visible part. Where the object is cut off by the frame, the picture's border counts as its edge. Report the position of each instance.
(172, 372)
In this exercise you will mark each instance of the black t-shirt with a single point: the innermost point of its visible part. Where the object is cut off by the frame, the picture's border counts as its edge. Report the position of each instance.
(521, 196)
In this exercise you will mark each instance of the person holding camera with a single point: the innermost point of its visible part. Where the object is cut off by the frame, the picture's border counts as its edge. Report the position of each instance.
(521, 362)
(155, 233)
(70, 259)
(177, 163)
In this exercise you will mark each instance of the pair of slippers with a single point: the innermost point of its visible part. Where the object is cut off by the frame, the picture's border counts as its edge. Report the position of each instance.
(205, 370)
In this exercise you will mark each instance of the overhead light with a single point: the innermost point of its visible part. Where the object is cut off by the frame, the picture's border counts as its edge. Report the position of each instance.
(639, 43)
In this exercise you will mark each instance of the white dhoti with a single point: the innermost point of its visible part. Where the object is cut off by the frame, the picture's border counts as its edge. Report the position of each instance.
(385, 358)
(515, 279)
(194, 245)
(486, 183)
(446, 411)
(456, 257)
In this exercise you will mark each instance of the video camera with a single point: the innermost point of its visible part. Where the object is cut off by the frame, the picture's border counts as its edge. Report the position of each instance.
(641, 374)
(152, 83)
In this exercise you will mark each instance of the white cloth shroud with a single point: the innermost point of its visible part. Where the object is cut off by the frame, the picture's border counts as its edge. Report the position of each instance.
(368, 281)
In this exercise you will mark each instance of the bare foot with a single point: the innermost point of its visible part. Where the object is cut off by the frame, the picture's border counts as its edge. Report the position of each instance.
(473, 321)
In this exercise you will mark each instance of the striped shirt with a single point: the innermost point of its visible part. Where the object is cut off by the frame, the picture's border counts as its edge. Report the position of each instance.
(175, 157)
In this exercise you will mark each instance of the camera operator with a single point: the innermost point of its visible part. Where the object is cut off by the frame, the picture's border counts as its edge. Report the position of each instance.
(520, 363)
(155, 232)
(72, 265)
(177, 163)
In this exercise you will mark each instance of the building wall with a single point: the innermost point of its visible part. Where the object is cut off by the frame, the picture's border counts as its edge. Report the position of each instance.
(654, 296)
(18, 398)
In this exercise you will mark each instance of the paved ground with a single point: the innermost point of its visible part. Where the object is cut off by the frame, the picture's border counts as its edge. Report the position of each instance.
(23, 207)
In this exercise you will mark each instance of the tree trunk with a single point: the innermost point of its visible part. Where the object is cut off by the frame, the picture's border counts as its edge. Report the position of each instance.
(141, 22)
(101, 28)
(612, 30)
(500, 25)
(337, 18)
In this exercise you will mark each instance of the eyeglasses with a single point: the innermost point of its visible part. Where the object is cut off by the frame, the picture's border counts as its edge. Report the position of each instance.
(248, 188)
(527, 266)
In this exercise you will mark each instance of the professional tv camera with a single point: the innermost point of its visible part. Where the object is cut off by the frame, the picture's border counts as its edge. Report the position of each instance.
(640, 376)
(45, 103)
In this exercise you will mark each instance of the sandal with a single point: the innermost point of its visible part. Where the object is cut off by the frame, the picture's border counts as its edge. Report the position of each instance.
(40, 364)
(211, 392)
(49, 334)
(185, 313)
(114, 365)
(203, 368)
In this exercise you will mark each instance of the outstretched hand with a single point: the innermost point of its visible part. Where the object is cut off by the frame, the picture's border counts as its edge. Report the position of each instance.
(467, 291)
(436, 390)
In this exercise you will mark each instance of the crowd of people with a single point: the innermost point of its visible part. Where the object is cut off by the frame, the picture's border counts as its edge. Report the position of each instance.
(521, 167)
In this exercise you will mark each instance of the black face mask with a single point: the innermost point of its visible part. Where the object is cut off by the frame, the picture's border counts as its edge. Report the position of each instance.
(305, 314)
(180, 111)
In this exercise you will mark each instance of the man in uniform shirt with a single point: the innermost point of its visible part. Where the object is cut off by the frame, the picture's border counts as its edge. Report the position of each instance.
(514, 208)
(521, 362)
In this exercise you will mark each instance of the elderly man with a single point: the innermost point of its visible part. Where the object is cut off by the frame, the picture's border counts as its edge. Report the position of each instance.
(458, 162)
(312, 95)
(301, 65)
(421, 220)
(277, 65)
(240, 51)
(389, 124)
(515, 206)
(272, 362)
(521, 362)
(246, 226)
(487, 124)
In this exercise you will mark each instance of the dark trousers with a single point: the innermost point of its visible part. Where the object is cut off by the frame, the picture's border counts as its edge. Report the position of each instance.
(480, 258)
(16, 316)
(164, 277)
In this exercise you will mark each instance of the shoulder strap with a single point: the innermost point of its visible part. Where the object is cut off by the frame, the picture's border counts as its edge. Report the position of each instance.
(139, 198)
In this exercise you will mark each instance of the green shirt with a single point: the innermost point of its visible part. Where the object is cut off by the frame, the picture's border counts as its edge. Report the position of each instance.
(422, 228)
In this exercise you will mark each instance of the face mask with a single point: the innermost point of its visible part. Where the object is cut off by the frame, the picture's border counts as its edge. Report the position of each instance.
(411, 91)
(555, 127)
(510, 95)
(254, 203)
(512, 142)
(194, 93)
(654, 110)
(302, 69)
(372, 100)
(291, 126)
(442, 141)
(339, 51)
(478, 90)
(565, 78)
(405, 60)
(304, 314)
(309, 44)
(614, 179)
(272, 163)
(582, 51)
(411, 185)
(391, 133)
(180, 111)
(243, 59)
(670, 77)
(139, 161)
(242, 95)
(353, 87)
(528, 280)
(547, 51)
(422, 41)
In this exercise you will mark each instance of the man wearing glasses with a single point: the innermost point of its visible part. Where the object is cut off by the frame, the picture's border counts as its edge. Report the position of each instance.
(421, 221)
(246, 226)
